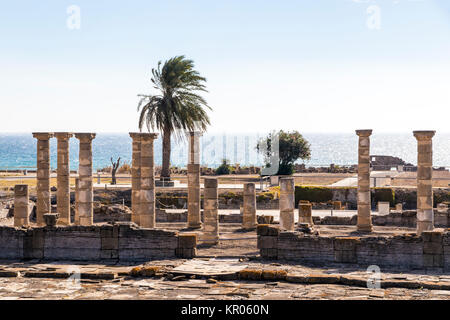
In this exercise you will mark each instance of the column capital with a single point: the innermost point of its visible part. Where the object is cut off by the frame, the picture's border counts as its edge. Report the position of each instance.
(43, 135)
(148, 136)
(63, 135)
(195, 133)
(85, 136)
(135, 135)
(424, 134)
(364, 132)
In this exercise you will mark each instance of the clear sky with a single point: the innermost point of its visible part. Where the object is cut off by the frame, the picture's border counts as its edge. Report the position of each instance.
(309, 65)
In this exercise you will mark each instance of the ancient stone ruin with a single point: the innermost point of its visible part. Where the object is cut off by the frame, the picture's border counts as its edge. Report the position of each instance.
(55, 236)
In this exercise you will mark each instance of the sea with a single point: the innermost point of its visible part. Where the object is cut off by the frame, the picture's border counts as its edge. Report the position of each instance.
(18, 150)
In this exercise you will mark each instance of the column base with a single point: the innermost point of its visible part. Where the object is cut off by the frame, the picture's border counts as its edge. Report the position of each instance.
(365, 228)
(194, 225)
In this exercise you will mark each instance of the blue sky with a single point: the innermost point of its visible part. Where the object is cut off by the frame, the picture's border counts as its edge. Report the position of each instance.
(313, 66)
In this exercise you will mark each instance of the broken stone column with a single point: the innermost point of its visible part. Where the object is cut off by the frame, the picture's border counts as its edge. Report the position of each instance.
(147, 208)
(425, 216)
(194, 219)
(43, 204)
(135, 177)
(63, 177)
(364, 222)
(21, 198)
(305, 213)
(210, 212)
(249, 214)
(85, 207)
(287, 200)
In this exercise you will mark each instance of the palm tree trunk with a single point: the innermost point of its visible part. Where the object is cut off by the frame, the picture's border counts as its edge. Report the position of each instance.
(165, 171)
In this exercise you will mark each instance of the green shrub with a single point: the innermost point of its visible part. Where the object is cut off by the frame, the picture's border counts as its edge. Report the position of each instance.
(224, 168)
(313, 194)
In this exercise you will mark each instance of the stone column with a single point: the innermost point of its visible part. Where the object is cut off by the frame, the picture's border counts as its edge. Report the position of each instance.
(63, 178)
(85, 184)
(21, 205)
(364, 221)
(76, 219)
(194, 218)
(43, 204)
(305, 213)
(287, 200)
(249, 214)
(147, 209)
(135, 177)
(425, 216)
(211, 215)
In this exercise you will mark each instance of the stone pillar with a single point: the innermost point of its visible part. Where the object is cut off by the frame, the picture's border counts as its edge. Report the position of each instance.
(135, 177)
(287, 200)
(147, 209)
(63, 177)
(305, 213)
(43, 204)
(194, 218)
(76, 219)
(211, 215)
(21, 205)
(85, 184)
(364, 222)
(249, 214)
(425, 216)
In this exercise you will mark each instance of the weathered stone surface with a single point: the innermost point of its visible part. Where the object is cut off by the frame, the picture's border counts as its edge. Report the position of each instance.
(364, 223)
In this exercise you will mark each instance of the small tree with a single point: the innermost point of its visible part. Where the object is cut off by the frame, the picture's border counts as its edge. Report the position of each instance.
(292, 146)
(224, 168)
(115, 166)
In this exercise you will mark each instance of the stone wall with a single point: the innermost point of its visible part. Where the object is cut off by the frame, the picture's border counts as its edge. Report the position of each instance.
(430, 250)
(394, 218)
(118, 242)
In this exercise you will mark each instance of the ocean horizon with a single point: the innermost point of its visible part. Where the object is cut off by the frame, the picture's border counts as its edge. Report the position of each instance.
(18, 150)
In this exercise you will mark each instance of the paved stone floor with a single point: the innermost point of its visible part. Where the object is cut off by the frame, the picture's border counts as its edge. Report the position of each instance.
(24, 288)
(194, 279)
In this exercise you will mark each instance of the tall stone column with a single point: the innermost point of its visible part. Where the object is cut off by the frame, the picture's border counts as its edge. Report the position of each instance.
(135, 177)
(287, 204)
(211, 214)
(147, 209)
(21, 198)
(425, 216)
(85, 180)
(249, 214)
(76, 219)
(364, 221)
(43, 203)
(63, 177)
(194, 218)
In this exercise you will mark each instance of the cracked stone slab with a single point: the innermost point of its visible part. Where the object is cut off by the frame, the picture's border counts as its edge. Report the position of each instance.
(210, 267)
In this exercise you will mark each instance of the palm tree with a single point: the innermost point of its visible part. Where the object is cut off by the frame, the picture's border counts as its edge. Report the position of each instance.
(177, 107)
